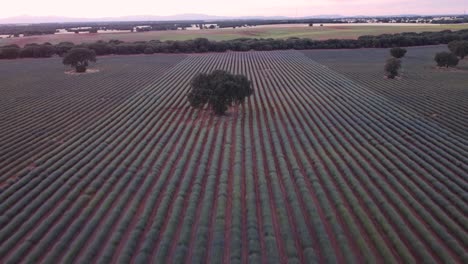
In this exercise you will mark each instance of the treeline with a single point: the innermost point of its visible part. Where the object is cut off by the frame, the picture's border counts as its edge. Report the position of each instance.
(93, 27)
(137, 28)
(27, 30)
(51, 28)
(256, 22)
(453, 21)
(201, 45)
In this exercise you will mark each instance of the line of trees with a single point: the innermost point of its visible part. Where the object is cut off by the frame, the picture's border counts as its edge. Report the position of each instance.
(51, 28)
(256, 22)
(45, 50)
(28, 30)
(459, 20)
(201, 45)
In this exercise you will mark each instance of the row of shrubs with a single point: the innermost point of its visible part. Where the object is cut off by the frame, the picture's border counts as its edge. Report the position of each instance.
(245, 44)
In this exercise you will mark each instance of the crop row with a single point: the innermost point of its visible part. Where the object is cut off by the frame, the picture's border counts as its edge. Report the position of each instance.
(423, 89)
(54, 110)
(313, 168)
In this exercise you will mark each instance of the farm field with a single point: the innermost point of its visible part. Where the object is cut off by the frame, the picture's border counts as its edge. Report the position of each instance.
(436, 94)
(43, 107)
(281, 31)
(319, 166)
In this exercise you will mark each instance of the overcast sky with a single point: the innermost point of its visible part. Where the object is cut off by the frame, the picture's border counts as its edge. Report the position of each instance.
(111, 8)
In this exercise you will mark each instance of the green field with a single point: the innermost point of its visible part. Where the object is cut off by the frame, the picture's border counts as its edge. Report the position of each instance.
(328, 162)
(316, 32)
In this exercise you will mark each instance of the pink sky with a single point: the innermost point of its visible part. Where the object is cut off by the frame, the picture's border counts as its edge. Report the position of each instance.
(111, 8)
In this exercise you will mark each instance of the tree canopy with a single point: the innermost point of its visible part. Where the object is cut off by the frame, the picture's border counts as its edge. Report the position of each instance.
(79, 58)
(391, 67)
(446, 59)
(218, 90)
(398, 52)
(459, 48)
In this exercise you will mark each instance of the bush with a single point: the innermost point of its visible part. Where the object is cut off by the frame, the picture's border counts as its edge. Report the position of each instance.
(446, 59)
(459, 48)
(218, 90)
(391, 67)
(398, 52)
(79, 58)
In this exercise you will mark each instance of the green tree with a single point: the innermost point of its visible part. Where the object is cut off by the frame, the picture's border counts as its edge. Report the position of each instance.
(398, 52)
(63, 47)
(201, 44)
(459, 48)
(391, 67)
(218, 90)
(79, 58)
(446, 59)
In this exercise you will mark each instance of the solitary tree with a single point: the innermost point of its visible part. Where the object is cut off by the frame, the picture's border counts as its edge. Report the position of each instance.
(446, 59)
(459, 48)
(391, 67)
(398, 52)
(79, 58)
(218, 90)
